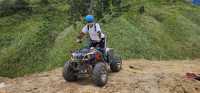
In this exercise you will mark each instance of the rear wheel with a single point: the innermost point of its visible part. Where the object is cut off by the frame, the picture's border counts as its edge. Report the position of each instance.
(68, 72)
(115, 62)
(100, 74)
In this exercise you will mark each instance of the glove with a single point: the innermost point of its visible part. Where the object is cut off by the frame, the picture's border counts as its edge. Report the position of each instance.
(78, 41)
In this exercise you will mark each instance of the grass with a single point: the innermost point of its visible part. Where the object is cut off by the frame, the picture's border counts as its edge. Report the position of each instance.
(43, 41)
(161, 33)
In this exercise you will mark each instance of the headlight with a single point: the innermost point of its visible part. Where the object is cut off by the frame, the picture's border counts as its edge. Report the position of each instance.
(87, 57)
(77, 56)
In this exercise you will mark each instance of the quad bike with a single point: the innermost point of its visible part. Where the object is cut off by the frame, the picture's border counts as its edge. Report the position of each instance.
(92, 62)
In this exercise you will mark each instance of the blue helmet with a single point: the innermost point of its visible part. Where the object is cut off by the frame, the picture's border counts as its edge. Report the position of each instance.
(89, 18)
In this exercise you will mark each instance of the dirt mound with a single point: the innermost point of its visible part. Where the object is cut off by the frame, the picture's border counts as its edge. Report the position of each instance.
(137, 76)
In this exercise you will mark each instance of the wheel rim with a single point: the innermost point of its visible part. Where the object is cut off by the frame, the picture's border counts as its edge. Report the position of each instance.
(104, 76)
(119, 65)
(70, 70)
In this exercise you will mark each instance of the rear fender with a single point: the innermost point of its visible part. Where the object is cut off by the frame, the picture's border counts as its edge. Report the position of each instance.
(109, 50)
(109, 54)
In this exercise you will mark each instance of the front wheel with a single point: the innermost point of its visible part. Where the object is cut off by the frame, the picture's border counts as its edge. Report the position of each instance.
(100, 74)
(68, 72)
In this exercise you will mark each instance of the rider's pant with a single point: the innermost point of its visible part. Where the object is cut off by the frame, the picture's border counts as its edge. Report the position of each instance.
(100, 44)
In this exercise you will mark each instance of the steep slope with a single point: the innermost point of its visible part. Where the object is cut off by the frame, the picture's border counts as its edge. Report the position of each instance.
(163, 32)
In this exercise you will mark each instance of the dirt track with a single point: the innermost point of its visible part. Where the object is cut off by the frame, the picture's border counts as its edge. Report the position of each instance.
(137, 76)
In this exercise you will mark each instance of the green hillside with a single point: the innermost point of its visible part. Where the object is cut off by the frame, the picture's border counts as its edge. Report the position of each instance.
(40, 35)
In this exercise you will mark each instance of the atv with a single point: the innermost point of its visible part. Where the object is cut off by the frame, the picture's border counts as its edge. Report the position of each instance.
(92, 62)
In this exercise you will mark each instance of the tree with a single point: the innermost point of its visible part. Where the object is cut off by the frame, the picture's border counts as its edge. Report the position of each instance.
(20, 5)
(9, 7)
(99, 8)
(44, 2)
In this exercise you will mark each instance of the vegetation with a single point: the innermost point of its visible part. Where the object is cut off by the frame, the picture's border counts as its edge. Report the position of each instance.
(38, 35)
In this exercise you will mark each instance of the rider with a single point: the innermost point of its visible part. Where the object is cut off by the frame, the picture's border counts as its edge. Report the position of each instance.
(97, 38)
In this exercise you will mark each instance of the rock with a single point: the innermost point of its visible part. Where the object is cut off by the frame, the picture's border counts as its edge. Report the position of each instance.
(2, 85)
